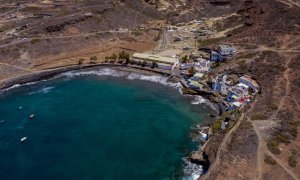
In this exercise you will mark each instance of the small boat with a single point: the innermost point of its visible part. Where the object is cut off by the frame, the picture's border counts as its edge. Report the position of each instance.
(23, 139)
(2, 121)
(20, 107)
(31, 116)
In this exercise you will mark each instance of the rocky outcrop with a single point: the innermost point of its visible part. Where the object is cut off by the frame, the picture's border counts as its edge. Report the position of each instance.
(220, 2)
(251, 11)
(61, 26)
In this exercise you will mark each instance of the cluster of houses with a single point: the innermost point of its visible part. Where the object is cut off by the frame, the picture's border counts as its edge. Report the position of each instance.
(203, 66)
(237, 95)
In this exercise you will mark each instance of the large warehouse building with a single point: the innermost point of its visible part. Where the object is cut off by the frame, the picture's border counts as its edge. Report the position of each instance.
(162, 61)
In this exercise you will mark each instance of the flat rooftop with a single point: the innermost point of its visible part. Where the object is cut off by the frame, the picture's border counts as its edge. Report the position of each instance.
(152, 57)
(247, 78)
(223, 46)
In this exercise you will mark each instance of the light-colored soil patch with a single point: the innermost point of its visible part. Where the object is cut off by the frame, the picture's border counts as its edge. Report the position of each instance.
(73, 30)
(170, 52)
(9, 71)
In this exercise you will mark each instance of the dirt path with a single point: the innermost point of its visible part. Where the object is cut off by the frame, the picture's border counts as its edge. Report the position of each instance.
(17, 67)
(260, 155)
(262, 149)
(23, 40)
(223, 147)
(290, 3)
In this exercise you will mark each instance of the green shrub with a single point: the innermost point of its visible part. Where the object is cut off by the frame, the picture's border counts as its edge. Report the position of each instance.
(3, 28)
(269, 160)
(189, 91)
(144, 63)
(216, 65)
(93, 59)
(184, 59)
(136, 33)
(34, 41)
(192, 70)
(272, 145)
(259, 117)
(80, 61)
(113, 56)
(292, 161)
(154, 64)
(273, 106)
(124, 55)
(281, 138)
(216, 126)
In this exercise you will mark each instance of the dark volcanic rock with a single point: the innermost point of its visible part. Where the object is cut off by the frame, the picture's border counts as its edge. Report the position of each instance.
(220, 2)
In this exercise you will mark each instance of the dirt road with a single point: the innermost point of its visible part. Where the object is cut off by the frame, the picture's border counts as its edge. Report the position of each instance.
(223, 147)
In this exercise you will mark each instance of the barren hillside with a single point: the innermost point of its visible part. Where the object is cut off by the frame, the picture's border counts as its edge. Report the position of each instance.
(44, 34)
(266, 146)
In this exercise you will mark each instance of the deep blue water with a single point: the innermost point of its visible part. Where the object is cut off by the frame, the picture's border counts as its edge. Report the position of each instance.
(95, 128)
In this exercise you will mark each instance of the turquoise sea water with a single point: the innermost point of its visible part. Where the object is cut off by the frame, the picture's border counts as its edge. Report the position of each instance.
(92, 127)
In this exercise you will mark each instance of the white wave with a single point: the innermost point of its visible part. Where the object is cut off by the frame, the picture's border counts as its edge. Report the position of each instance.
(198, 100)
(117, 73)
(201, 100)
(102, 72)
(18, 85)
(191, 171)
(44, 90)
(152, 78)
(12, 87)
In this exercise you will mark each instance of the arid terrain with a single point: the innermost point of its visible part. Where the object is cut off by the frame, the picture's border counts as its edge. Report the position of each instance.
(37, 35)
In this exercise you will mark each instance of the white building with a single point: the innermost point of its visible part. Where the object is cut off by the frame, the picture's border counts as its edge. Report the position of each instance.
(226, 50)
(249, 82)
(202, 66)
(220, 84)
(162, 62)
(164, 66)
(197, 77)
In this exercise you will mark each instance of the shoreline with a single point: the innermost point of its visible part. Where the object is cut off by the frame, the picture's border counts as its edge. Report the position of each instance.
(6, 84)
(49, 73)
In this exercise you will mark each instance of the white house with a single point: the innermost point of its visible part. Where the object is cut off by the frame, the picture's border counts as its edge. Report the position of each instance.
(226, 50)
(249, 82)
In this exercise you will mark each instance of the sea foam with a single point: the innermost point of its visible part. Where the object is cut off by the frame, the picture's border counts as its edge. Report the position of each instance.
(191, 171)
(44, 90)
(198, 100)
(101, 72)
(127, 75)
(18, 85)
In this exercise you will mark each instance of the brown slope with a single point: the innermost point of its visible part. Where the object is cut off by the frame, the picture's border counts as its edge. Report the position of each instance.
(271, 31)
